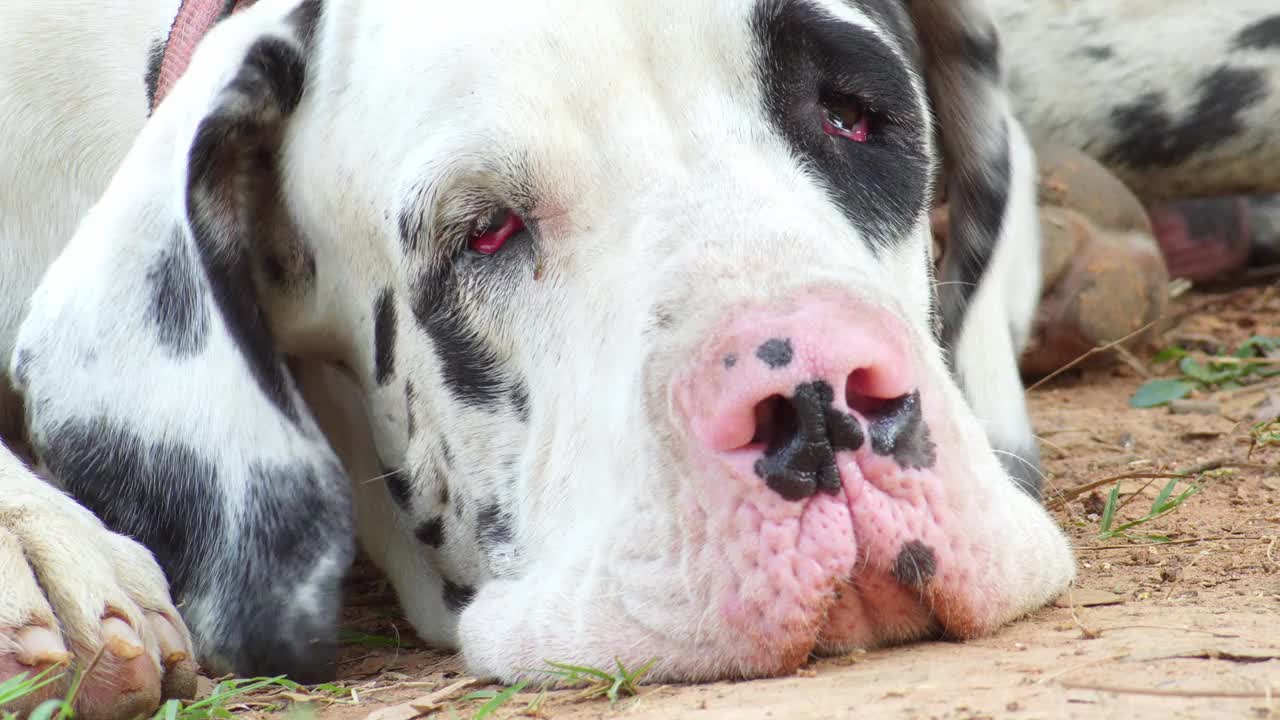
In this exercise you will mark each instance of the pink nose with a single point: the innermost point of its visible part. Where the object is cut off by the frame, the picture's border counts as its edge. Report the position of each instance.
(787, 389)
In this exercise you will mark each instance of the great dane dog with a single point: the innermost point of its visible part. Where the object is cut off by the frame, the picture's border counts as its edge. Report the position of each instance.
(610, 329)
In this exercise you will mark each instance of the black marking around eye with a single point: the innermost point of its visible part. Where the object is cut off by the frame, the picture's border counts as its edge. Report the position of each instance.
(457, 597)
(776, 353)
(806, 56)
(1149, 136)
(915, 565)
(1261, 35)
(898, 429)
(431, 532)
(177, 306)
(384, 337)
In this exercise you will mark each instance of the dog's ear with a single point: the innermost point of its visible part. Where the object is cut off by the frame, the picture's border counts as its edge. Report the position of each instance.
(156, 388)
(978, 138)
(989, 281)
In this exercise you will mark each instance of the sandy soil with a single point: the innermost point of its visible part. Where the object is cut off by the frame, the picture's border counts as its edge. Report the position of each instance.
(1183, 629)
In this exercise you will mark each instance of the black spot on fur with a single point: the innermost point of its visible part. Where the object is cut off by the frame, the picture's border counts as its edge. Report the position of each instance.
(810, 60)
(398, 486)
(297, 516)
(410, 228)
(457, 597)
(151, 81)
(384, 337)
(898, 429)
(1262, 35)
(233, 203)
(431, 532)
(520, 400)
(493, 526)
(410, 402)
(1097, 52)
(22, 367)
(983, 53)
(915, 565)
(177, 306)
(446, 451)
(775, 353)
(1150, 137)
(468, 366)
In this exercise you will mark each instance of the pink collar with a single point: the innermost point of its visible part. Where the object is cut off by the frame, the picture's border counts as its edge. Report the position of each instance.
(193, 20)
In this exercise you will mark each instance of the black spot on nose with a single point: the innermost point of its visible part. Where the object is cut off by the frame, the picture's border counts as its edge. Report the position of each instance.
(730, 360)
(915, 565)
(802, 435)
(897, 428)
(775, 353)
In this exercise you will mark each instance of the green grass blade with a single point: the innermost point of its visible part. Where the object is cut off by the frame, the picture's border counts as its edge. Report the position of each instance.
(499, 700)
(1109, 511)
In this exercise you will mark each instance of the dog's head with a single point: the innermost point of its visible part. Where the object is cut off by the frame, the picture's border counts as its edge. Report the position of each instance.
(638, 297)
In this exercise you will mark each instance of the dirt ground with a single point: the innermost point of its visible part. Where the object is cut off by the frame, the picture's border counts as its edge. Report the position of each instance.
(1188, 628)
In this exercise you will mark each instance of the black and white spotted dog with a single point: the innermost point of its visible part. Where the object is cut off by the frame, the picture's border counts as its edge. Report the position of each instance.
(609, 328)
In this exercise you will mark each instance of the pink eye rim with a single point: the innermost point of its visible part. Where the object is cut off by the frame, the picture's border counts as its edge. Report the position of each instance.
(492, 239)
(860, 132)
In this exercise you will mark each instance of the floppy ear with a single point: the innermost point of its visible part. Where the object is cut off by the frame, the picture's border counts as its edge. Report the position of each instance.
(989, 278)
(156, 389)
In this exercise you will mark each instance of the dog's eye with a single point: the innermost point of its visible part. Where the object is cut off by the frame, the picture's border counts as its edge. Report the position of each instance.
(846, 118)
(490, 239)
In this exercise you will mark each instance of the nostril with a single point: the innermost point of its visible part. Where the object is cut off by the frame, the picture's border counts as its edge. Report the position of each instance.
(776, 422)
(860, 392)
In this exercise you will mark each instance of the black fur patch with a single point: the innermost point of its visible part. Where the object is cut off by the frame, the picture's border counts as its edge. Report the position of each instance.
(983, 53)
(898, 429)
(775, 353)
(431, 532)
(410, 402)
(520, 399)
(398, 486)
(915, 565)
(1148, 136)
(809, 59)
(178, 300)
(151, 81)
(384, 337)
(1262, 35)
(296, 518)
(232, 201)
(457, 597)
(493, 526)
(1097, 52)
(978, 201)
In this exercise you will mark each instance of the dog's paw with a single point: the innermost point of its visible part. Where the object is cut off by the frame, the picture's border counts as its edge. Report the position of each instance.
(76, 597)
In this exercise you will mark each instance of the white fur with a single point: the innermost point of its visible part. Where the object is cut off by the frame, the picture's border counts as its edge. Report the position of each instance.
(634, 127)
